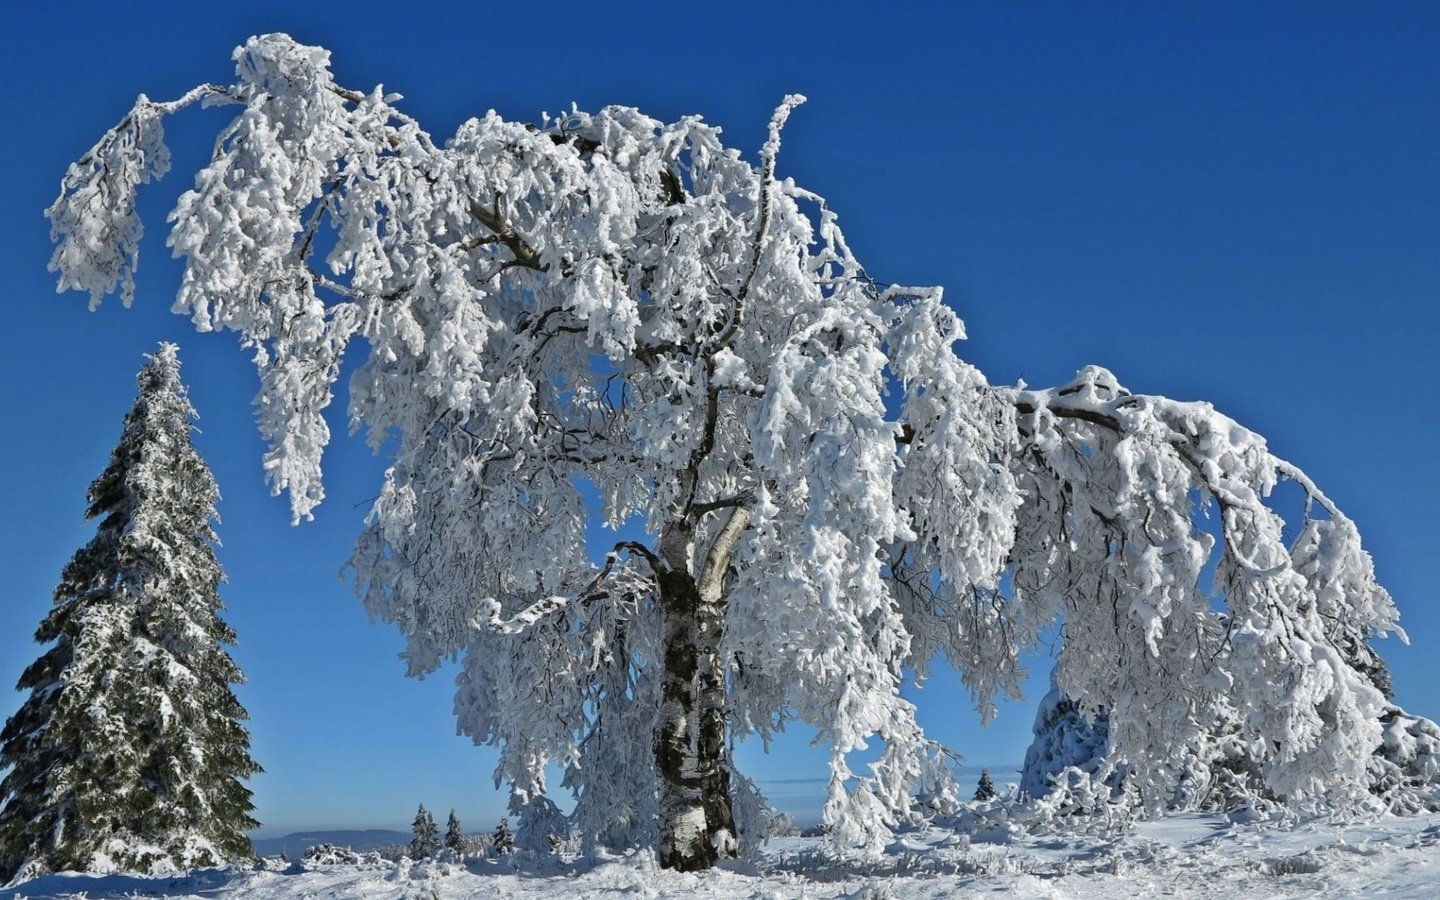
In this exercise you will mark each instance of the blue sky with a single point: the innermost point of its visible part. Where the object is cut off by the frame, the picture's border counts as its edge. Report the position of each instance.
(1235, 202)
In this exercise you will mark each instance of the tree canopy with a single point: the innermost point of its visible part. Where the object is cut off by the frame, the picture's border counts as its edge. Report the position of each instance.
(605, 316)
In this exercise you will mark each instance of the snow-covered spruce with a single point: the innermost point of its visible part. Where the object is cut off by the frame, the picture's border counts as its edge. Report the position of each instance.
(130, 751)
(454, 835)
(985, 790)
(425, 837)
(1070, 763)
(1064, 738)
(607, 315)
(503, 841)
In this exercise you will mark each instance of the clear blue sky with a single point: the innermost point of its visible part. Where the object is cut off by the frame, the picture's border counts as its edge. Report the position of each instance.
(1237, 202)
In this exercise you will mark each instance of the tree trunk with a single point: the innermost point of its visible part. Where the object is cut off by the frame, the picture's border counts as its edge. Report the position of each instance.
(697, 824)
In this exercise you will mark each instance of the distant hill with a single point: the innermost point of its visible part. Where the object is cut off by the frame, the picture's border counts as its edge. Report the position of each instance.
(292, 845)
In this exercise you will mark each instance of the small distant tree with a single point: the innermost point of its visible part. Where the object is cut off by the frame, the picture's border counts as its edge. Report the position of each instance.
(425, 840)
(985, 790)
(504, 841)
(130, 752)
(454, 836)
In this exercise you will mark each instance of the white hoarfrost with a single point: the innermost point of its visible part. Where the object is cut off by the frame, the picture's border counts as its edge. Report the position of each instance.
(1111, 541)
(605, 315)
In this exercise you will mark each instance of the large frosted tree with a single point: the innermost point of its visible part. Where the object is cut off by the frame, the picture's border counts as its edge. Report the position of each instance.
(130, 751)
(607, 316)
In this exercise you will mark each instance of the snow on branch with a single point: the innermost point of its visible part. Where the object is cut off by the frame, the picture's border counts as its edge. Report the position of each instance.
(93, 222)
(491, 611)
(1112, 538)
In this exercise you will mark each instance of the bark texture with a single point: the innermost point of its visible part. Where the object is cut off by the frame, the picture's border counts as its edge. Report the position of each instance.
(697, 821)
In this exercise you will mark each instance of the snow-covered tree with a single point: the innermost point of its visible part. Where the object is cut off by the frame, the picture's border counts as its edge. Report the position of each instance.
(130, 751)
(985, 790)
(605, 315)
(503, 841)
(1220, 770)
(1405, 770)
(1064, 738)
(454, 835)
(425, 837)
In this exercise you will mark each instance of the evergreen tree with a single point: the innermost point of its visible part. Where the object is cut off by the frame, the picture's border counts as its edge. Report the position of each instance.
(504, 841)
(130, 751)
(985, 790)
(425, 841)
(1064, 737)
(454, 837)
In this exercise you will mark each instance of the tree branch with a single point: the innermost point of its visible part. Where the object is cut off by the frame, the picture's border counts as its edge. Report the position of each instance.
(768, 154)
(1229, 502)
(538, 610)
(525, 255)
(712, 576)
(700, 509)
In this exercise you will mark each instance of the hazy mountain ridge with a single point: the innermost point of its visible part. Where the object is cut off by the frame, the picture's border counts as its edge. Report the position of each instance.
(293, 845)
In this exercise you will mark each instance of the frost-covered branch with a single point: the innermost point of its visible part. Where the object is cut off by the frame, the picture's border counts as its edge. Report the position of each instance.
(1113, 538)
(768, 155)
(500, 231)
(93, 222)
(494, 620)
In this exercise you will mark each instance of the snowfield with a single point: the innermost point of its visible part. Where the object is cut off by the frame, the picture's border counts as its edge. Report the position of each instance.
(1178, 856)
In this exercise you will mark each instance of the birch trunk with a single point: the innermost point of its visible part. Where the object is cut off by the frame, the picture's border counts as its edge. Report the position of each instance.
(697, 822)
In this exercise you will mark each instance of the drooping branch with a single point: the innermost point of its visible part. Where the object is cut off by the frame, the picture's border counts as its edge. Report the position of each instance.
(1225, 497)
(93, 221)
(209, 93)
(1027, 404)
(490, 617)
(700, 509)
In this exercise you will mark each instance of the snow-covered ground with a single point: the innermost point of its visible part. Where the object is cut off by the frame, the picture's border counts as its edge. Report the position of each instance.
(1179, 856)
